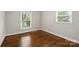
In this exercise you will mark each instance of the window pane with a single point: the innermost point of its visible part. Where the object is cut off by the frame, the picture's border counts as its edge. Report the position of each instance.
(26, 19)
(63, 18)
(26, 16)
(63, 13)
(28, 23)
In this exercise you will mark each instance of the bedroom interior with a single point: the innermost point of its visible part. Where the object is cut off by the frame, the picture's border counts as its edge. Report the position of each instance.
(39, 29)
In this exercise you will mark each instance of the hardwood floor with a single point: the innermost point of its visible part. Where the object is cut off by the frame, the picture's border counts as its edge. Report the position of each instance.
(36, 39)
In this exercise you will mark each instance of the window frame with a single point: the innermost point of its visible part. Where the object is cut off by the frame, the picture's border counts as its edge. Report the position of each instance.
(21, 23)
(70, 15)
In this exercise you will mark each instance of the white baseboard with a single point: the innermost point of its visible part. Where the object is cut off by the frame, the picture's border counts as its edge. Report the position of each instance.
(1, 40)
(23, 31)
(73, 40)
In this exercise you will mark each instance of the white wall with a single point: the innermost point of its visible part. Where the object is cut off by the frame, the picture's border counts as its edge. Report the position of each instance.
(45, 20)
(67, 30)
(13, 22)
(2, 26)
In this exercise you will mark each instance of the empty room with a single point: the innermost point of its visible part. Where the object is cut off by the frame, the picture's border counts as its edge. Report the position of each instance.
(39, 28)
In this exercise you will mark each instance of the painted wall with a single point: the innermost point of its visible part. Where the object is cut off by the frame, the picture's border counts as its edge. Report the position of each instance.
(13, 22)
(67, 30)
(2, 26)
(45, 20)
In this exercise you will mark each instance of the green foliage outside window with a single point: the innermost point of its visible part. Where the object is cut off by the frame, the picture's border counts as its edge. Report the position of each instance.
(26, 19)
(63, 16)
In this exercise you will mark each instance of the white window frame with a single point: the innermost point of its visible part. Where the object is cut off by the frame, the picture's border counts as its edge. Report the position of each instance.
(70, 19)
(21, 25)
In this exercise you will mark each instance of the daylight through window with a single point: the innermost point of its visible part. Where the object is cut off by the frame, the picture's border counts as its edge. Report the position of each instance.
(64, 16)
(26, 19)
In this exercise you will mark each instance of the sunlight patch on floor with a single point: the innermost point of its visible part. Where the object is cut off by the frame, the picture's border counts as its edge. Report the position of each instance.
(25, 41)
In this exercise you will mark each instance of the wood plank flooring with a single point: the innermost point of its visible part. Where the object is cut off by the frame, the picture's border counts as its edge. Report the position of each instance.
(36, 39)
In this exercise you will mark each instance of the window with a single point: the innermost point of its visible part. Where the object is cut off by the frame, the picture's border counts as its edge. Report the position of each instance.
(26, 19)
(63, 16)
